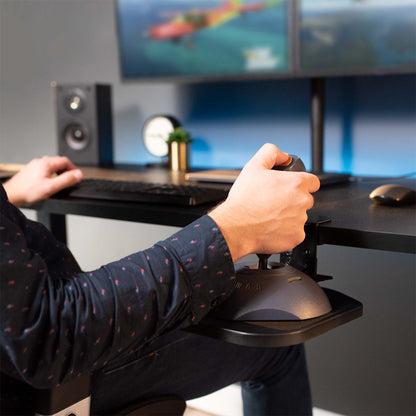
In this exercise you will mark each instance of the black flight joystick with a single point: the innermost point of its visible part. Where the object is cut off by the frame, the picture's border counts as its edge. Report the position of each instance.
(275, 291)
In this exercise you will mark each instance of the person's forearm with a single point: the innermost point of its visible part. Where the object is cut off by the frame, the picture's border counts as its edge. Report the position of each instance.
(86, 319)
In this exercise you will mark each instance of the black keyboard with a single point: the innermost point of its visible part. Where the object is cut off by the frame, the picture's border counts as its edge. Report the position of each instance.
(157, 193)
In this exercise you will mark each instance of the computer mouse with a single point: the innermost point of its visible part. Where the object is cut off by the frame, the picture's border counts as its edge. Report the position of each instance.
(393, 195)
(280, 293)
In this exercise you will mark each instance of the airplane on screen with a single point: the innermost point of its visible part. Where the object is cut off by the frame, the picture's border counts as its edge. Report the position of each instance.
(194, 20)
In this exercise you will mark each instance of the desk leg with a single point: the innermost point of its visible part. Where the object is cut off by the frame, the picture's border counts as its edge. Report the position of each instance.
(56, 223)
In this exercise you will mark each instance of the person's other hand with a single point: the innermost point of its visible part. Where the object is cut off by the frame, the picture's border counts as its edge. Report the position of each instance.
(40, 179)
(265, 211)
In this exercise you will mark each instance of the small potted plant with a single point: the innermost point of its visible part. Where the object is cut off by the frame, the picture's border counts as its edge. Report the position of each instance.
(179, 142)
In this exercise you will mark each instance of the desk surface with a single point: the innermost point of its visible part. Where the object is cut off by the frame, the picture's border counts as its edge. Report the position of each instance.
(355, 220)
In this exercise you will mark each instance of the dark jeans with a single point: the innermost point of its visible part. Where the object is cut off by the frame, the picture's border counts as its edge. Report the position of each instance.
(274, 381)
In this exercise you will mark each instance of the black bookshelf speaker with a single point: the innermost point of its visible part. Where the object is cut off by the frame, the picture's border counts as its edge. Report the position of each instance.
(84, 122)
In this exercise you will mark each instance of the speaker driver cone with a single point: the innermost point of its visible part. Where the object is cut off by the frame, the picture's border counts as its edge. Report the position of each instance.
(76, 136)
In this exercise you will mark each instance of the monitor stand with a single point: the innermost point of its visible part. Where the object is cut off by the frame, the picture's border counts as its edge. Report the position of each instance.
(317, 135)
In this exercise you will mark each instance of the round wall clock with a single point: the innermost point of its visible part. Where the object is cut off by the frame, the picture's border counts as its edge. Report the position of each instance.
(156, 131)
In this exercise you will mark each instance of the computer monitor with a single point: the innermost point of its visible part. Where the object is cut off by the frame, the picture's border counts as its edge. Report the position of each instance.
(350, 37)
(192, 40)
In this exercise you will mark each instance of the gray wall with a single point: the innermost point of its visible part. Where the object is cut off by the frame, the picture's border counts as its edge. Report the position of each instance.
(367, 367)
(364, 368)
(67, 41)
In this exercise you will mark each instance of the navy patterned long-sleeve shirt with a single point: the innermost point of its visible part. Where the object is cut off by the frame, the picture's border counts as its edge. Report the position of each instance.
(58, 322)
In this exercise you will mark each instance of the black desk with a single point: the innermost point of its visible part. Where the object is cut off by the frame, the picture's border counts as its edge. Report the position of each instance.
(354, 221)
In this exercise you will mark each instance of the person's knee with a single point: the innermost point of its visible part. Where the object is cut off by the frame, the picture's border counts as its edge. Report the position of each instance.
(278, 364)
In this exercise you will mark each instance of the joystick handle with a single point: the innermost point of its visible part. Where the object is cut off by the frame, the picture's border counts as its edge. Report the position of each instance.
(294, 164)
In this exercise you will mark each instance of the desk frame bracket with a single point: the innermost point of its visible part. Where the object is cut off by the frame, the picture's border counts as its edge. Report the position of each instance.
(304, 256)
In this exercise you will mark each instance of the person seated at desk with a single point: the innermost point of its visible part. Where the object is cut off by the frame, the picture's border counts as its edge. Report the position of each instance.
(122, 322)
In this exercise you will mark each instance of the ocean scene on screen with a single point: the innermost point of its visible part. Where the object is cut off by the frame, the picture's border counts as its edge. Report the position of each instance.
(202, 38)
(357, 34)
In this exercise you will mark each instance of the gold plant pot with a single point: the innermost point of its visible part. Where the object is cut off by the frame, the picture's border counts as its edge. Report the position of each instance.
(179, 156)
